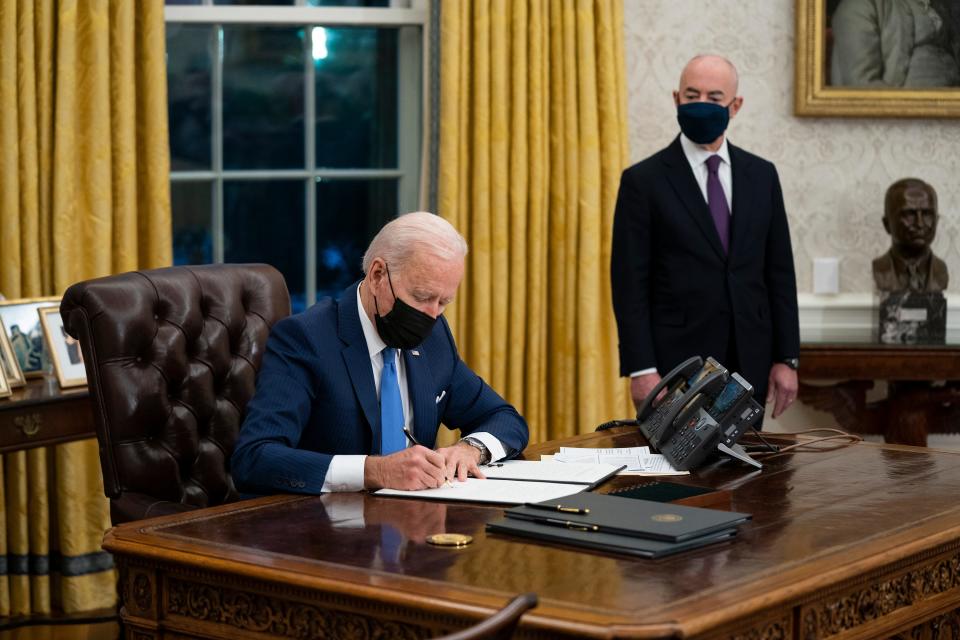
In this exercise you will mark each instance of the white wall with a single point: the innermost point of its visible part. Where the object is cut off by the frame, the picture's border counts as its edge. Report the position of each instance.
(834, 171)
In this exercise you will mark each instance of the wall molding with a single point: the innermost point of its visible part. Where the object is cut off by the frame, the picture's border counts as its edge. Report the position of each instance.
(852, 317)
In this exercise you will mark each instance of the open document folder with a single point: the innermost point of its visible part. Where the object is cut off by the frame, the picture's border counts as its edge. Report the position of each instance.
(517, 482)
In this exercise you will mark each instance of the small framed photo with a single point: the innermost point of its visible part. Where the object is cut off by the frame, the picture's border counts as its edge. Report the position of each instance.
(4, 387)
(64, 350)
(9, 368)
(26, 334)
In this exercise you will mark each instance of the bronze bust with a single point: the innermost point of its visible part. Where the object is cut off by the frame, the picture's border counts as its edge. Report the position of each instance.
(910, 217)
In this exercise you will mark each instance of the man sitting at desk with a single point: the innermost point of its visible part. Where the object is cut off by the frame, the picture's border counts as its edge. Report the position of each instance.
(341, 382)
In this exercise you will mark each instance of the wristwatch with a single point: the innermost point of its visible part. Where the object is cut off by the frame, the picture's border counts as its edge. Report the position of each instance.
(793, 363)
(482, 448)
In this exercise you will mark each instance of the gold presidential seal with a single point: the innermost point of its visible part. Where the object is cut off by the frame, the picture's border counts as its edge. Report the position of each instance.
(666, 517)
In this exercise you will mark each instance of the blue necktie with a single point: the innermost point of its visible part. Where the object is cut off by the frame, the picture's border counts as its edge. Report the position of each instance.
(717, 201)
(392, 438)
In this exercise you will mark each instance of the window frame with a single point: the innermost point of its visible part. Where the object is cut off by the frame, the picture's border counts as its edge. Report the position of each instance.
(411, 105)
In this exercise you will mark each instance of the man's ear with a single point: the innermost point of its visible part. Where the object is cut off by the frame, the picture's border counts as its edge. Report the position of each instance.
(735, 106)
(886, 225)
(676, 98)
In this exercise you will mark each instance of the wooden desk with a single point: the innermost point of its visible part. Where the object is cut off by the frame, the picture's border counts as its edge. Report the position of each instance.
(912, 408)
(41, 414)
(862, 542)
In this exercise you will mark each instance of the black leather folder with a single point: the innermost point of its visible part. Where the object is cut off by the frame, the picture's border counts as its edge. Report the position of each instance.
(628, 517)
(609, 542)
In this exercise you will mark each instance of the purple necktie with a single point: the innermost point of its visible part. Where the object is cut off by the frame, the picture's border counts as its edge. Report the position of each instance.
(717, 202)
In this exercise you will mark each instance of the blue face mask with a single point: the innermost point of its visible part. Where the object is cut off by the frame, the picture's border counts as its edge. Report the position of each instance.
(703, 122)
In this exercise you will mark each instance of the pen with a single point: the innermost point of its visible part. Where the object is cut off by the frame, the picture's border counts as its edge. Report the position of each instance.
(446, 483)
(406, 430)
(557, 507)
(570, 525)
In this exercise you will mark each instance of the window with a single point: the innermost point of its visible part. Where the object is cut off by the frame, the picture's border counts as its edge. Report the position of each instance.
(295, 132)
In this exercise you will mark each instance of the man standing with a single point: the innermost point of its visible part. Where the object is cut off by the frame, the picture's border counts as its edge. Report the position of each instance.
(702, 263)
(344, 383)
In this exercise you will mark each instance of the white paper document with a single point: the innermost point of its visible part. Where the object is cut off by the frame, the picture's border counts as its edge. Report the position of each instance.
(639, 460)
(570, 472)
(498, 491)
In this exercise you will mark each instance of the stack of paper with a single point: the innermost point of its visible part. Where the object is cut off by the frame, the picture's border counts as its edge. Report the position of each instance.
(518, 481)
(639, 460)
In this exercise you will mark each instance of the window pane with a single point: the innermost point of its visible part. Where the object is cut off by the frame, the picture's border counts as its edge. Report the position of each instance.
(349, 214)
(188, 87)
(356, 96)
(263, 221)
(263, 100)
(191, 203)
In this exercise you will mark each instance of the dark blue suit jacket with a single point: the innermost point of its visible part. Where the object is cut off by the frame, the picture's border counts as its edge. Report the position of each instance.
(316, 398)
(677, 294)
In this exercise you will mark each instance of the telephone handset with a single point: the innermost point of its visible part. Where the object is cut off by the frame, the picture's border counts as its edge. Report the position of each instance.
(671, 382)
(703, 410)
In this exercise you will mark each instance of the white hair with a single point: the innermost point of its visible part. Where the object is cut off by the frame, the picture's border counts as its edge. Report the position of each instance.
(415, 233)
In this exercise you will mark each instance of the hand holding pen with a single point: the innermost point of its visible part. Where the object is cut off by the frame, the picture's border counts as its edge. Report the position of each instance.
(459, 460)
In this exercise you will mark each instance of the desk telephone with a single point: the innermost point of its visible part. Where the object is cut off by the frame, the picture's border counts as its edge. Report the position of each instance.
(703, 411)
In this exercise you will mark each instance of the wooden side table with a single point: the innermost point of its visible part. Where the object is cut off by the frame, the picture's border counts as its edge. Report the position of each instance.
(41, 414)
(914, 407)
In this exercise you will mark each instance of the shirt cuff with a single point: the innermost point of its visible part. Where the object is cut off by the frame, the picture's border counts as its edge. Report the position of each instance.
(345, 473)
(493, 445)
(643, 372)
(345, 515)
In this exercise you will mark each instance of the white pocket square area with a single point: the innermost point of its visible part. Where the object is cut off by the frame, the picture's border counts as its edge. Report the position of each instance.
(440, 397)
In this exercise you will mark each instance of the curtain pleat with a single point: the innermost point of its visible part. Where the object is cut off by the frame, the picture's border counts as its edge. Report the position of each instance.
(84, 192)
(532, 142)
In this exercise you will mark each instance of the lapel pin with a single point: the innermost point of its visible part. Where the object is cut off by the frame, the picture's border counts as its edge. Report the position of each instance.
(414, 352)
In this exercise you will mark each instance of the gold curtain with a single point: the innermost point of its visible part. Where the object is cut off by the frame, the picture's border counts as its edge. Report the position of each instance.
(533, 138)
(84, 192)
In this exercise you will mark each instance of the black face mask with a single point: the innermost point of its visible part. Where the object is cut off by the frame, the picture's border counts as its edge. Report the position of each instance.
(403, 327)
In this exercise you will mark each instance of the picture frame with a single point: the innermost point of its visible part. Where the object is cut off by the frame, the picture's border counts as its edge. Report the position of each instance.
(5, 391)
(64, 350)
(9, 367)
(816, 93)
(25, 332)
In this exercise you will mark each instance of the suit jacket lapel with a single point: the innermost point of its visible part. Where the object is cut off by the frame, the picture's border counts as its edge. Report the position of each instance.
(742, 219)
(685, 185)
(420, 391)
(356, 356)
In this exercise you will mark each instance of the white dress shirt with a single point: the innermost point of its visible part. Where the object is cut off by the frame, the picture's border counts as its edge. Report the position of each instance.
(345, 472)
(697, 157)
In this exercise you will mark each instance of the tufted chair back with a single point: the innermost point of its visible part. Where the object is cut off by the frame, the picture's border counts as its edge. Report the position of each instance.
(172, 357)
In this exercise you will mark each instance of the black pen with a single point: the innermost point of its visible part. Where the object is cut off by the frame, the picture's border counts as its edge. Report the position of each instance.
(412, 439)
(557, 507)
(569, 524)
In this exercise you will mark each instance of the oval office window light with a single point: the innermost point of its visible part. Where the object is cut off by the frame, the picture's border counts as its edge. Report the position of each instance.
(318, 36)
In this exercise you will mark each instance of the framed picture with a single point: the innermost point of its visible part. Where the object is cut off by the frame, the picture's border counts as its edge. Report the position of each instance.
(4, 387)
(9, 368)
(854, 60)
(25, 332)
(64, 350)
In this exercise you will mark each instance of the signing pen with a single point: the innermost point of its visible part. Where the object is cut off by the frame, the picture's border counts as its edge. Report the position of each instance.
(446, 483)
(557, 507)
(406, 430)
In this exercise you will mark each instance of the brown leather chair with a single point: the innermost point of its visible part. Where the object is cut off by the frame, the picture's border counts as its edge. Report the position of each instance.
(499, 626)
(171, 358)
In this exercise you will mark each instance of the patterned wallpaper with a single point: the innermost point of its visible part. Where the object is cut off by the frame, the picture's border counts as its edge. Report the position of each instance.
(834, 171)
